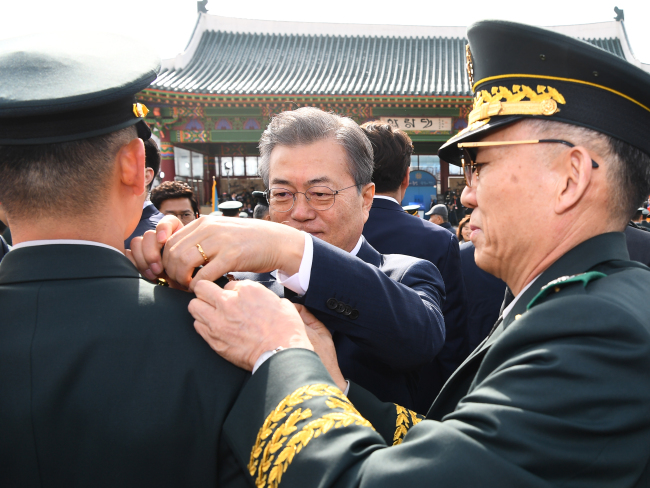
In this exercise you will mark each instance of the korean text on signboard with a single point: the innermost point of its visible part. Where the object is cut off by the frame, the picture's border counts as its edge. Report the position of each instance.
(419, 123)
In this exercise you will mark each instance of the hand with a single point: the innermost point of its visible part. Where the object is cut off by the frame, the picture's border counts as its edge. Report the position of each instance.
(230, 245)
(321, 339)
(244, 320)
(145, 252)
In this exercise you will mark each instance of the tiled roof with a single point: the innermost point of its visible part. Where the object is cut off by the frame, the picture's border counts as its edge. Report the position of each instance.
(322, 63)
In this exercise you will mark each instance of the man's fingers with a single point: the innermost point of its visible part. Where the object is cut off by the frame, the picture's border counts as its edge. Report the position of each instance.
(137, 258)
(207, 292)
(167, 226)
(310, 320)
(150, 252)
(209, 272)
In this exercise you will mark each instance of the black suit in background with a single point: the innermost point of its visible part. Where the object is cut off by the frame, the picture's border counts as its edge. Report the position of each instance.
(638, 243)
(148, 221)
(103, 379)
(396, 326)
(484, 296)
(390, 230)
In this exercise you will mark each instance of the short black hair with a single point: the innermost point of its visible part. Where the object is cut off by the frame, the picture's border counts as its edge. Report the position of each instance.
(152, 158)
(174, 189)
(392, 149)
(61, 178)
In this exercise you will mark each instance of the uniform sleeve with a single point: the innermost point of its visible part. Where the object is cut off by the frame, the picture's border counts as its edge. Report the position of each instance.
(398, 320)
(552, 405)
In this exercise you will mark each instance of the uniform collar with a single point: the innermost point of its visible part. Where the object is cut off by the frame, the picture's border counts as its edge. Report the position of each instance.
(583, 257)
(64, 262)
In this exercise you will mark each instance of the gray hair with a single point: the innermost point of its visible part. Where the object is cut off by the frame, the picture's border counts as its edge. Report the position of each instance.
(307, 125)
(628, 168)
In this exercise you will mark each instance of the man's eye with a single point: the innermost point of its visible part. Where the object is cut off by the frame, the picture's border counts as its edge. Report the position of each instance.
(281, 194)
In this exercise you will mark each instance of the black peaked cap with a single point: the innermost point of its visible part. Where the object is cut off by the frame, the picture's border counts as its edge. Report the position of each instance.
(65, 87)
(521, 71)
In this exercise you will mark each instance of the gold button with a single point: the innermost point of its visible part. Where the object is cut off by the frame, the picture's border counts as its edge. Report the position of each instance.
(557, 288)
(518, 316)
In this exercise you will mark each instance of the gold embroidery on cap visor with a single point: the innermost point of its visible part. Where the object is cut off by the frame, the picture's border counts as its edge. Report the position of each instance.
(501, 101)
(140, 110)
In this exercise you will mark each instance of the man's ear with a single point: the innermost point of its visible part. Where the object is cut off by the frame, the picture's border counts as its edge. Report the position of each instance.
(148, 176)
(575, 175)
(405, 181)
(368, 193)
(130, 165)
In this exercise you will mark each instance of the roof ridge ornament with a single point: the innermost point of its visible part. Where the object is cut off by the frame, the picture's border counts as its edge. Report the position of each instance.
(470, 65)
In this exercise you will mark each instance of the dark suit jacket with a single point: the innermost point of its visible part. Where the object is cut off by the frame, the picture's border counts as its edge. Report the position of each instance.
(559, 395)
(149, 220)
(395, 326)
(103, 379)
(638, 243)
(484, 296)
(390, 230)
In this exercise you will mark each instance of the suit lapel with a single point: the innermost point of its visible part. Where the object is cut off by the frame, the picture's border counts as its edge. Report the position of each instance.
(369, 254)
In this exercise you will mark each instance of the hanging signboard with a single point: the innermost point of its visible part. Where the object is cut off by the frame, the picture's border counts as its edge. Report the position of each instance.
(419, 123)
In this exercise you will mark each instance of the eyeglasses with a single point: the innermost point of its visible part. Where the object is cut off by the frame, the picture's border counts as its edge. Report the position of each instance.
(468, 159)
(185, 217)
(318, 198)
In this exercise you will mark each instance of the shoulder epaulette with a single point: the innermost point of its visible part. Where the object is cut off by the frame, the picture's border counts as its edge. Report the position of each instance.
(556, 285)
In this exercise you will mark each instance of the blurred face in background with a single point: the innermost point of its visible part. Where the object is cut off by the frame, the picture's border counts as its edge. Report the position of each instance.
(181, 208)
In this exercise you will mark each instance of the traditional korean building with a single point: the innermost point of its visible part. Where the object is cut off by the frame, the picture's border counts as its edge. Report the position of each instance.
(211, 103)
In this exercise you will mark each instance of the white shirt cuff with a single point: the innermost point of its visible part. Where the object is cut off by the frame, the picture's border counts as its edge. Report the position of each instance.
(299, 282)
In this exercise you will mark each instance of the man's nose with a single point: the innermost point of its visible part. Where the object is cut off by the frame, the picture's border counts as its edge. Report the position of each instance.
(301, 209)
(468, 197)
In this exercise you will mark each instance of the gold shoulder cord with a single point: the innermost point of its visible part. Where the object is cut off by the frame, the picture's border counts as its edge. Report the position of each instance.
(405, 420)
(274, 437)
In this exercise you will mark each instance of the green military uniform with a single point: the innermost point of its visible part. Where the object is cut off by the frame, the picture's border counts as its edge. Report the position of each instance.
(103, 379)
(558, 394)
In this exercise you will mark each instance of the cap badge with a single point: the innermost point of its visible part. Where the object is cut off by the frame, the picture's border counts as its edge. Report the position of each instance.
(140, 110)
(501, 101)
(470, 65)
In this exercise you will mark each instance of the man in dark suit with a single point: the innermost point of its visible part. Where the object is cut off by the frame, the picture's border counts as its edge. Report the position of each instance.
(384, 310)
(558, 394)
(484, 296)
(390, 230)
(150, 214)
(638, 243)
(103, 380)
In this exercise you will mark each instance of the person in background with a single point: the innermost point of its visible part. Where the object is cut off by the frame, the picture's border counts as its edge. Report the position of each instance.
(464, 230)
(261, 210)
(390, 230)
(439, 215)
(230, 209)
(176, 198)
(150, 214)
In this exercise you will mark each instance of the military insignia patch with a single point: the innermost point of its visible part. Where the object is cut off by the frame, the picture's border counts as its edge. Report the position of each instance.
(556, 285)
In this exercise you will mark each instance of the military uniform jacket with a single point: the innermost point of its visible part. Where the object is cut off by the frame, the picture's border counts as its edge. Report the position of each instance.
(385, 319)
(103, 379)
(558, 395)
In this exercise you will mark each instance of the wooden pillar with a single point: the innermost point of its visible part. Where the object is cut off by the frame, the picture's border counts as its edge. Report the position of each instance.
(444, 178)
(167, 165)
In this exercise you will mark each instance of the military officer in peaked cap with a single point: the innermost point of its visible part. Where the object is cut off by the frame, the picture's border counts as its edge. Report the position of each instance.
(559, 393)
(103, 379)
